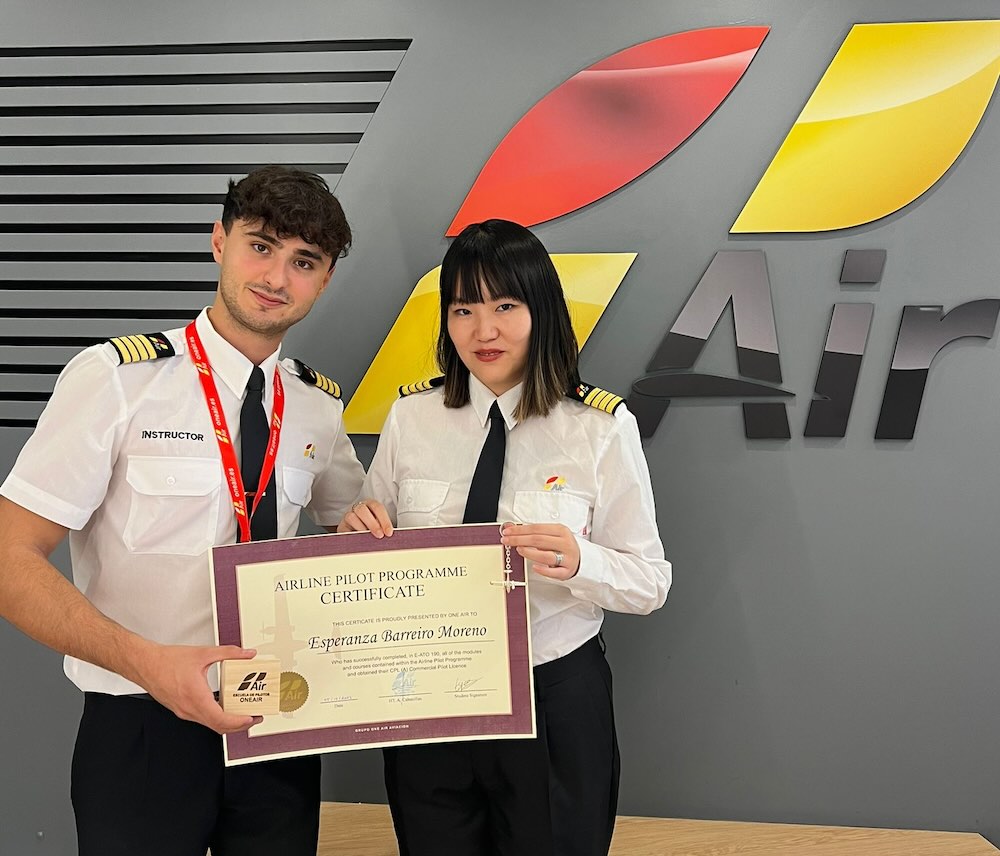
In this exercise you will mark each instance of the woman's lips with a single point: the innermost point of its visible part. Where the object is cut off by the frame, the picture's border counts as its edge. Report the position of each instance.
(488, 356)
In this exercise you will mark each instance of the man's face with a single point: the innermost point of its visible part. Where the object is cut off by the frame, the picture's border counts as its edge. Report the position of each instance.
(267, 283)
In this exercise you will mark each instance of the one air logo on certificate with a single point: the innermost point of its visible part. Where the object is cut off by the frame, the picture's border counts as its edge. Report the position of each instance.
(251, 687)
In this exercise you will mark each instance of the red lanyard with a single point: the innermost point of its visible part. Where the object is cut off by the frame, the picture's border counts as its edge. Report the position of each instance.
(229, 463)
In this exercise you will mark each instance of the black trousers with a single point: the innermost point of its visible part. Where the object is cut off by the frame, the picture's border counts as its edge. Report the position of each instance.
(556, 795)
(145, 782)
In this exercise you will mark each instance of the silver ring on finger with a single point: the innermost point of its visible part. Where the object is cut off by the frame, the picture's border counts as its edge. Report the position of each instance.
(358, 505)
(560, 558)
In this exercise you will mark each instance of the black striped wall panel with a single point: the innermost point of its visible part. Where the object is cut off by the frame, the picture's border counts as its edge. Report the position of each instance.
(113, 163)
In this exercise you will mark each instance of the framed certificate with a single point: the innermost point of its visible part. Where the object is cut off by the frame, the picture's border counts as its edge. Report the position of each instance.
(418, 638)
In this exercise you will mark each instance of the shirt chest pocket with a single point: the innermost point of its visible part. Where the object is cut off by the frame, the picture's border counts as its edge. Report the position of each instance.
(543, 506)
(174, 505)
(296, 487)
(420, 502)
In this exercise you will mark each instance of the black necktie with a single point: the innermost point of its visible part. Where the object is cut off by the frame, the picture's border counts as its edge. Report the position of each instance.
(254, 434)
(484, 493)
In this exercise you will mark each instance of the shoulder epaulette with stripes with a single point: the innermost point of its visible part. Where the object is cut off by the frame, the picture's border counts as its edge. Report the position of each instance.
(142, 346)
(314, 378)
(594, 396)
(420, 386)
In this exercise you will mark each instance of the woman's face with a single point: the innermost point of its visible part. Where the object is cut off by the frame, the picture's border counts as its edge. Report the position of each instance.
(492, 340)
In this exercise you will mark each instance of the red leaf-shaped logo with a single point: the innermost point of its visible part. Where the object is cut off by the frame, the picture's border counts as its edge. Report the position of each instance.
(608, 124)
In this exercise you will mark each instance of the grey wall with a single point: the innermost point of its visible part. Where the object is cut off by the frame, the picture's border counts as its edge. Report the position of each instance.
(826, 654)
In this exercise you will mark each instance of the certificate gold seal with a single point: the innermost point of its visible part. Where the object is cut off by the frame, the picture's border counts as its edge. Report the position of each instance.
(294, 691)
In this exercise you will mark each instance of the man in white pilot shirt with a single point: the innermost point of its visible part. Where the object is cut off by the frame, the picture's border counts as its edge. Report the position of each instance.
(126, 460)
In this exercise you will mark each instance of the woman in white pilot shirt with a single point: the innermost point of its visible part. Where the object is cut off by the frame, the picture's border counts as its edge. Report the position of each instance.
(576, 484)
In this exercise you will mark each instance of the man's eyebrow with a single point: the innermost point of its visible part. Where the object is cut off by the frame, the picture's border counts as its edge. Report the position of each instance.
(268, 238)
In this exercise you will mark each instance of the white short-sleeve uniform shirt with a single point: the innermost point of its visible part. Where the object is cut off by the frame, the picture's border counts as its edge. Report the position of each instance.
(126, 458)
(578, 466)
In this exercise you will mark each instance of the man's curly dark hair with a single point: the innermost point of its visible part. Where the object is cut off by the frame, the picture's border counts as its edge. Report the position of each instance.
(292, 203)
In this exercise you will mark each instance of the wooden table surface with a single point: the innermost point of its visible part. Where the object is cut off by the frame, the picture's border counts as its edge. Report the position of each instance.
(366, 830)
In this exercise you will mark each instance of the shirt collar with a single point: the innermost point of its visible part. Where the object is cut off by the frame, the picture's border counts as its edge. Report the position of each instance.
(228, 363)
(482, 400)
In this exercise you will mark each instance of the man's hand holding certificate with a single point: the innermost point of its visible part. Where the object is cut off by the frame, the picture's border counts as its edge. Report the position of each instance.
(422, 637)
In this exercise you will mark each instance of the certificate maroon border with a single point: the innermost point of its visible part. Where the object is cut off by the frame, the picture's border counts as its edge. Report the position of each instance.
(243, 747)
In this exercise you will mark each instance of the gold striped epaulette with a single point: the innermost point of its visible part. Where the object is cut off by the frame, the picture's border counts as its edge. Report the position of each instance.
(314, 378)
(141, 347)
(420, 386)
(594, 396)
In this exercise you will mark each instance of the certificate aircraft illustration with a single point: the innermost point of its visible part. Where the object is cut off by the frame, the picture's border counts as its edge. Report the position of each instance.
(283, 644)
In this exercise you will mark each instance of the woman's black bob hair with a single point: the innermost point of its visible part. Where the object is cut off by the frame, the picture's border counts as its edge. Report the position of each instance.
(502, 259)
